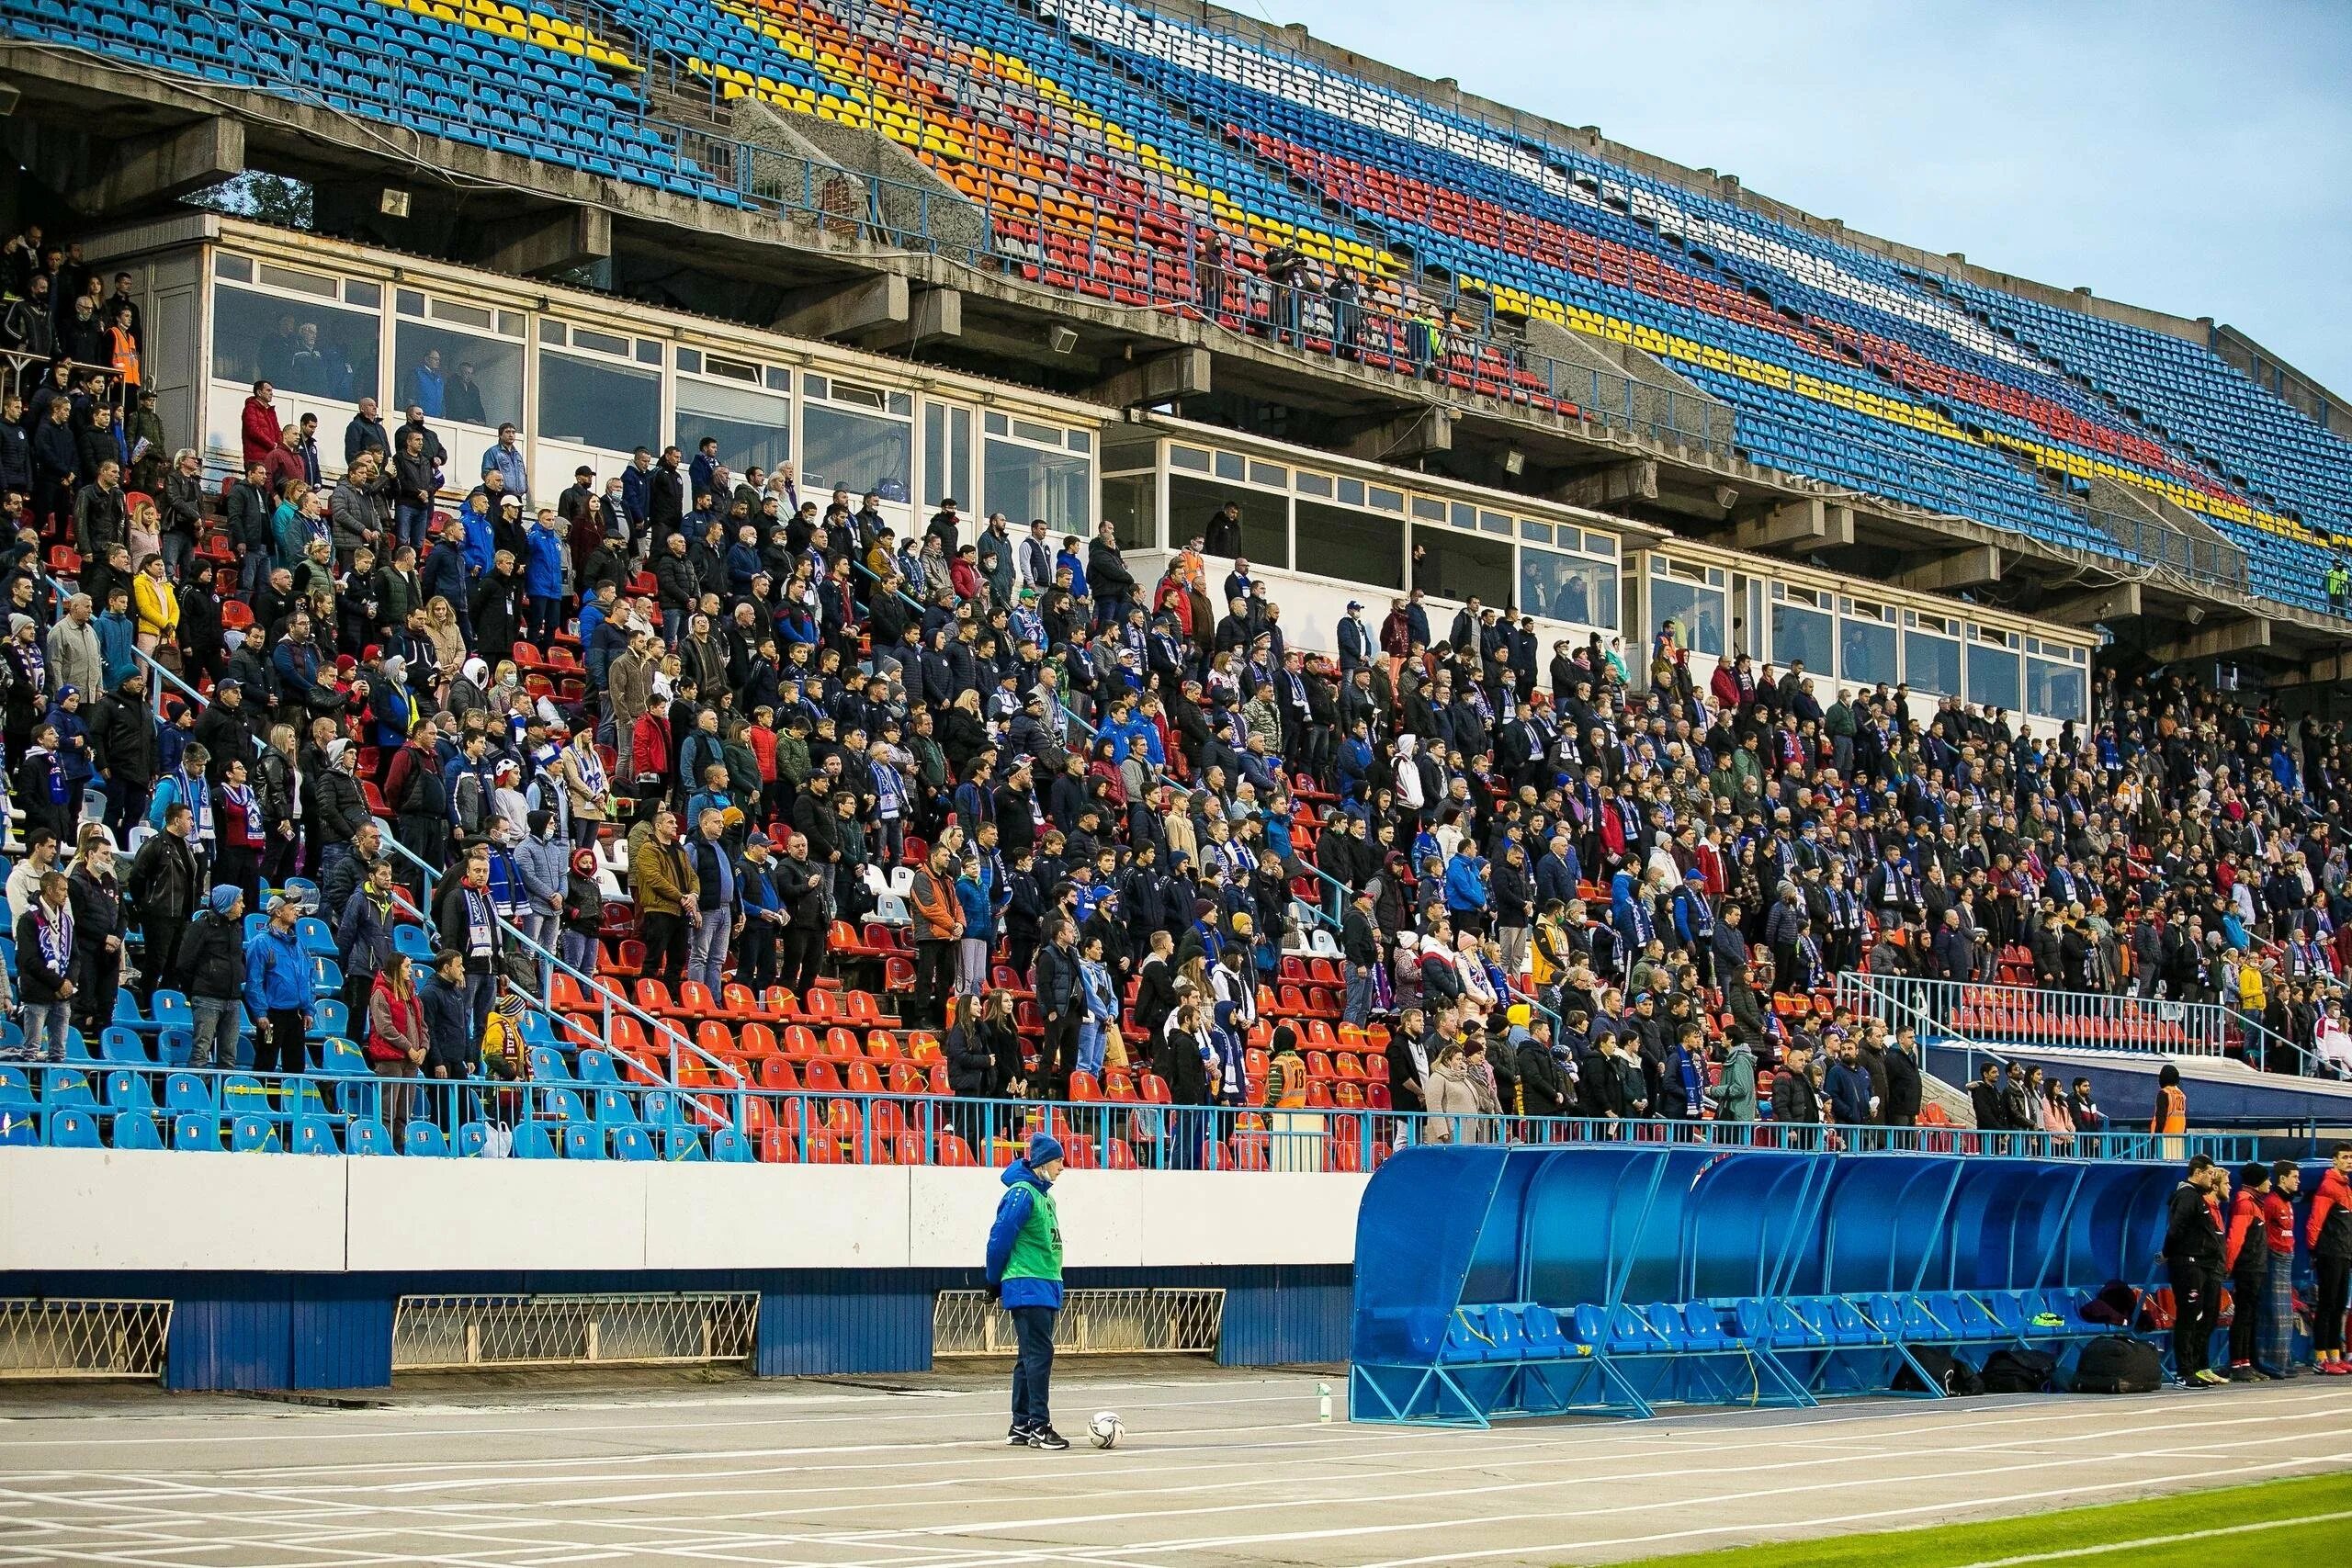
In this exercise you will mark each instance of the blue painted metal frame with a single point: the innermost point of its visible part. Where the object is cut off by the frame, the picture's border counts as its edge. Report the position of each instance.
(1509, 1282)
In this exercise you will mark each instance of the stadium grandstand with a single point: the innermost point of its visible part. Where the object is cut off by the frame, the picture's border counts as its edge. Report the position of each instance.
(645, 642)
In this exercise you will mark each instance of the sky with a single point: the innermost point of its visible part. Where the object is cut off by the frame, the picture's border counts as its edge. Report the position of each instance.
(2193, 158)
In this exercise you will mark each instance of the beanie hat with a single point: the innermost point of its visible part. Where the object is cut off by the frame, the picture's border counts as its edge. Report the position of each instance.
(1044, 1149)
(224, 899)
(1519, 1013)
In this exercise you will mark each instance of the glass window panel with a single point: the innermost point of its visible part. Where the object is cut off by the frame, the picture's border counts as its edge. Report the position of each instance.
(754, 428)
(1353, 545)
(902, 403)
(1465, 515)
(553, 332)
(1265, 519)
(317, 284)
(1314, 484)
(1700, 612)
(1931, 664)
(1190, 459)
(779, 379)
(367, 296)
(409, 302)
(510, 324)
(1866, 654)
(1080, 441)
(1030, 430)
(1802, 633)
(1531, 529)
(457, 376)
(597, 404)
(1993, 677)
(236, 269)
(1458, 565)
(649, 351)
(600, 342)
(303, 346)
(1427, 509)
(1567, 588)
(1127, 506)
(1351, 492)
(998, 424)
(841, 447)
(814, 386)
(1229, 466)
(690, 360)
(461, 315)
(1272, 474)
(947, 452)
(1381, 499)
(1024, 484)
(2057, 691)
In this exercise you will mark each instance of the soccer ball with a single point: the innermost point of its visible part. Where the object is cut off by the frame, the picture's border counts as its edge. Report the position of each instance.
(1106, 1429)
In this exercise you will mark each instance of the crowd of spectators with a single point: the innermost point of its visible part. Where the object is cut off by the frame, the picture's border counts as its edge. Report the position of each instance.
(1565, 878)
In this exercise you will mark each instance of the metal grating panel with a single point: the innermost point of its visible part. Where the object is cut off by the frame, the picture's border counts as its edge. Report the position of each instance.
(623, 1328)
(83, 1337)
(1097, 1322)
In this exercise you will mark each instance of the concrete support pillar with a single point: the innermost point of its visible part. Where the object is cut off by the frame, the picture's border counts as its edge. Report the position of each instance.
(564, 239)
(847, 310)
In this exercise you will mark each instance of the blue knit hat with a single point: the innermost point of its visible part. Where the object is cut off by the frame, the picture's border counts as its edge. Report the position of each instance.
(1044, 1149)
(225, 898)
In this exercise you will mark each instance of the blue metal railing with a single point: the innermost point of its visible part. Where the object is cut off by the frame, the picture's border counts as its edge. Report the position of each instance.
(592, 1115)
(2000, 1020)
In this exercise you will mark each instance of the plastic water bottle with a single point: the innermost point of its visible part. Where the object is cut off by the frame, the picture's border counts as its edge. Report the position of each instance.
(1323, 1402)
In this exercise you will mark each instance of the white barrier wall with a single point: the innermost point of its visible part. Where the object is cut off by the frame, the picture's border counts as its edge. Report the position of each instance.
(99, 1208)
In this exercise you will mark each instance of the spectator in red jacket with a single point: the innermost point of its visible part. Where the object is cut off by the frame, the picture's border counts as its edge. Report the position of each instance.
(2329, 1233)
(261, 432)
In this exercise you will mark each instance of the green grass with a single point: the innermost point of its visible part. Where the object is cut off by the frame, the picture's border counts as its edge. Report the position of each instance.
(2275, 1522)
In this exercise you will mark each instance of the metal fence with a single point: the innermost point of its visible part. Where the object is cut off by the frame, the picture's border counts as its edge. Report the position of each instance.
(1174, 1322)
(631, 1328)
(83, 1336)
(2004, 1019)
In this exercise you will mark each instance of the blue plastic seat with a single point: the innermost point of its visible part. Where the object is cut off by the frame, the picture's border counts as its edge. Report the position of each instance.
(472, 1138)
(1631, 1333)
(548, 1066)
(253, 1134)
(72, 1127)
(584, 1142)
(615, 1107)
(314, 1136)
(532, 1141)
(127, 1090)
(1702, 1326)
(728, 1147)
(366, 1135)
(412, 941)
(596, 1066)
(632, 1142)
(682, 1145)
(136, 1130)
(424, 1138)
(196, 1132)
(66, 1086)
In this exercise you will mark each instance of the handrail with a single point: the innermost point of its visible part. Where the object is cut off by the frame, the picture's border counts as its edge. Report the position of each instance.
(806, 1125)
(660, 1028)
(2075, 1019)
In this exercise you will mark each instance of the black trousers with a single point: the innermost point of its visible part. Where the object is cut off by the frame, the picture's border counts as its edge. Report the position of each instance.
(666, 949)
(934, 977)
(165, 933)
(755, 955)
(803, 959)
(2327, 1309)
(2194, 1288)
(1059, 1054)
(1032, 1374)
(2246, 1291)
(277, 1044)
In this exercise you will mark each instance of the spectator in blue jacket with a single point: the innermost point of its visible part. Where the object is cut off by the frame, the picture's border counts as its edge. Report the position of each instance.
(481, 533)
(543, 578)
(277, 991)
(505, 460)
(1465, 889)
(975, 890)
(1848, 1084)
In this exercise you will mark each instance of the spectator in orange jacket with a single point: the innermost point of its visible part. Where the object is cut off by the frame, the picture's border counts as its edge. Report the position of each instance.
(939, 926)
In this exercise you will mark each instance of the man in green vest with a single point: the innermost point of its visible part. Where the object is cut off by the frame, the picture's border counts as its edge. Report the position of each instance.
(1025, 1274)
(2340, 577)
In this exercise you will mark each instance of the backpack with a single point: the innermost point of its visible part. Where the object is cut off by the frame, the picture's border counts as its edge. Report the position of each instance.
(1949, 1373)
(2118, 1364)
(2018, 1372)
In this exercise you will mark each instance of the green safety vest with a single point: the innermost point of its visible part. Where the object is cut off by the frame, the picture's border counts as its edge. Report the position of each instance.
(1037, 1249)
